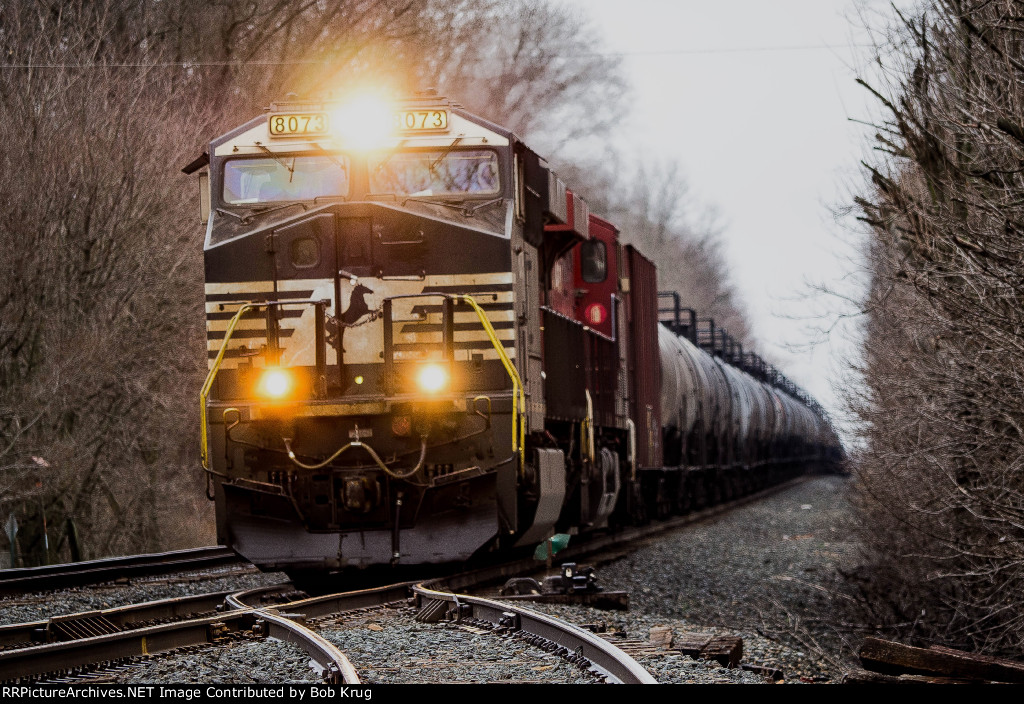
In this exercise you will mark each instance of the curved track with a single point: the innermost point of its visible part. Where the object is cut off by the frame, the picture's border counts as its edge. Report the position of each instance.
(113, 635)
(285, 622)
(577, 644)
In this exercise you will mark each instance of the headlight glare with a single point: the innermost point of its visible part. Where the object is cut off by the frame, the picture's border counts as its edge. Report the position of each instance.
(432, 378)
(363, 123)
(275, 383)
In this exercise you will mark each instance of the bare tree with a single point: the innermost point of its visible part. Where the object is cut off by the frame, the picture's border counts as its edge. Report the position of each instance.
(101, 324)
(98, 285)
(533, 66)
(940, 482)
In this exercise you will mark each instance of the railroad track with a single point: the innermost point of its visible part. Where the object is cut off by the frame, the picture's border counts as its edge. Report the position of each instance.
(84, 642)
(48, 577)
(574, 644)
(85, 651)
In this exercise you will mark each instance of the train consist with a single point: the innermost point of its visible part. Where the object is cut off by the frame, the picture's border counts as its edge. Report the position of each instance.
(423, 348)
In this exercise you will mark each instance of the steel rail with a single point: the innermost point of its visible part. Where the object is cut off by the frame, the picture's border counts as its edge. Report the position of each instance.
(610, 661)
(128, 560)
(334, 663)
(317, 606)
(281, 622)
(321, 650)
(278, 622)
(75, 574)
(40, 660)
(118, 617)
(83, 624)
(335, 666)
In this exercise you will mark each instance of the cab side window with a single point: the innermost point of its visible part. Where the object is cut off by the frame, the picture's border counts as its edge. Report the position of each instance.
(594, 261)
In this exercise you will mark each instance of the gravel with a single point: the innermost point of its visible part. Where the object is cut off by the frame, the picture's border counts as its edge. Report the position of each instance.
(394, 648)
(765, 572)
(386, 646)
(266, 661)
(679, 669)
(37, 607)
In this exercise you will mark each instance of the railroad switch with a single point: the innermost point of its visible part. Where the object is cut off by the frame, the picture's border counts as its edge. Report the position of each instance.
(572, 584)
(571, 579)
(509, 621)
(216, 631)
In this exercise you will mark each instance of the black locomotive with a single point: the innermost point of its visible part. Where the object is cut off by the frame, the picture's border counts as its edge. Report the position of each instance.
(423, 348)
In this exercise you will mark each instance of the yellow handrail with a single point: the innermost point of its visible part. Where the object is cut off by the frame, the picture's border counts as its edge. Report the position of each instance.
(518, 394)
(587, 451)
(204, 394)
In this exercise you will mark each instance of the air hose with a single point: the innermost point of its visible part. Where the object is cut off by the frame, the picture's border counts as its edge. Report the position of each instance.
(357, 443)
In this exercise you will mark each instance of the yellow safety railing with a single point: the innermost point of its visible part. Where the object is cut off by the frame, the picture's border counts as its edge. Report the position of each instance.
(518, 394)
(587, 450)
(205, 393)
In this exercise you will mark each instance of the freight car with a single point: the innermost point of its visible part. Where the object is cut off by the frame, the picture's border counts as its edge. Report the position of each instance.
(423, 348)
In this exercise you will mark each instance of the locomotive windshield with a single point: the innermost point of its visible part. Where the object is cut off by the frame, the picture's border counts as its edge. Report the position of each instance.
(436, 173)
(285, 178)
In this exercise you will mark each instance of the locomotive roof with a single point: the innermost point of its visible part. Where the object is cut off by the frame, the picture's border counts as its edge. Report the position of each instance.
(255, 136)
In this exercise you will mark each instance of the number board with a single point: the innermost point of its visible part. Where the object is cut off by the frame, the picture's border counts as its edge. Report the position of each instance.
(302, 124)
(421, 120)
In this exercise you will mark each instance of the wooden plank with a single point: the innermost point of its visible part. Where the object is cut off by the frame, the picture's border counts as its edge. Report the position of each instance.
(893, 658)
(691, 644)
(660, 636)
(725, 650)
(865, 677)
(868, 677)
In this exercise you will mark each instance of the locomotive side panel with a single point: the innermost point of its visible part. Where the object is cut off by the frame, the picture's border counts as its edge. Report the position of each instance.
(644, 357)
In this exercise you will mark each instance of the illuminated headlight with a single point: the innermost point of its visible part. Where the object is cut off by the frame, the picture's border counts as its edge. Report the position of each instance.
(432, 378)
(275, 383)
(364, 123)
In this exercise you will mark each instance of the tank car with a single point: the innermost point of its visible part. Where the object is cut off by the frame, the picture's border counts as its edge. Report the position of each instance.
(423, 348)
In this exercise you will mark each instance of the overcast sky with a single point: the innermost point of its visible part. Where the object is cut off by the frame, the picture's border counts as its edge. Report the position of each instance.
(757, 113)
